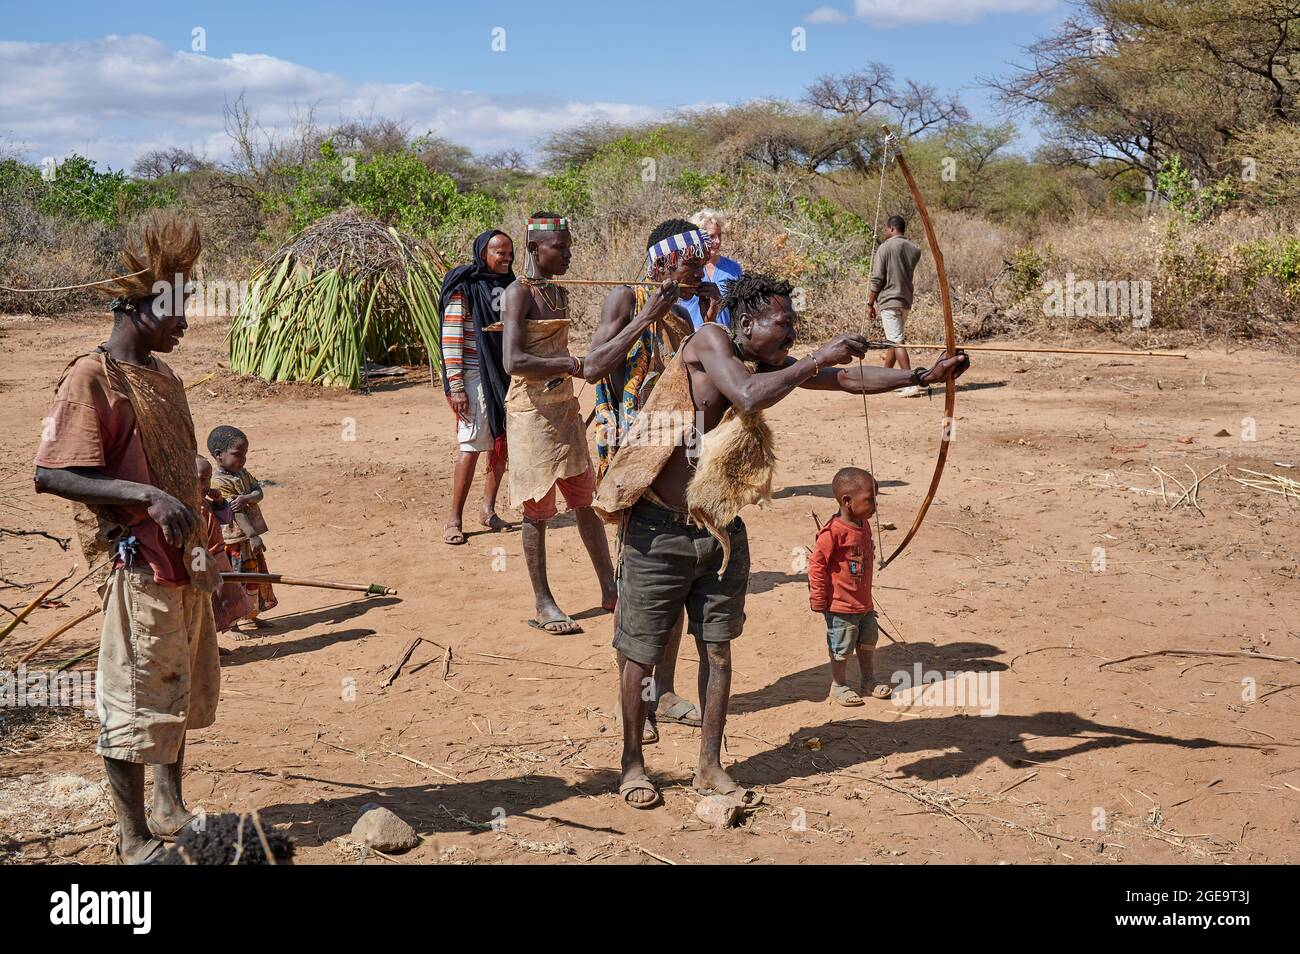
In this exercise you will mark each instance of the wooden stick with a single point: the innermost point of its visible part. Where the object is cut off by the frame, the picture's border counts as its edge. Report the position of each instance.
(57, 633)
(964, 347)
(1240, 653)
(402, 662)
(595, 281)
(76, 659)
(374, 589)
(13, 623)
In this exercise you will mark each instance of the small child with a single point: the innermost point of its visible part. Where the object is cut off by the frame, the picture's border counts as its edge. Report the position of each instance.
(243, 538)
(230, 603)
(839, 585)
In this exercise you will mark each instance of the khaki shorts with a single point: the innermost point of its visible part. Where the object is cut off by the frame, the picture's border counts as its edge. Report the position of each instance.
(667, 565)
(894, 320)
(473, 432)
(159, 672)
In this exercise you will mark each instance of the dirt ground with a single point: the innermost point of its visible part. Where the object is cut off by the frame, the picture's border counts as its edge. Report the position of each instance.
(512, 756)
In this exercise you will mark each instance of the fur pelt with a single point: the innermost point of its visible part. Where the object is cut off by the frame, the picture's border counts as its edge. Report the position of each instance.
(734, 469)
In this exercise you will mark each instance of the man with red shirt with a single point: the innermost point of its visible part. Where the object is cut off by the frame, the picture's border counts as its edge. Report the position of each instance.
(839, 585)
(119, 443)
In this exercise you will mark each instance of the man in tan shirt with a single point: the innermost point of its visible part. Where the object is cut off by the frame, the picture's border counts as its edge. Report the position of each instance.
(891, 291)
(120, 441)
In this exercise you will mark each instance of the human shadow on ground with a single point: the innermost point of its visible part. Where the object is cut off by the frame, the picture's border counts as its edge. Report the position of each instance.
(979, 385)
(823, 490)
(333, 614)
(966, 741)
(246, 651)
(766, 580)
(813, 684)
(450, 807)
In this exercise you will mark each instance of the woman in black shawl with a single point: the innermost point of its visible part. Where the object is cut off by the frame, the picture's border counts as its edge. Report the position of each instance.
(473, 377)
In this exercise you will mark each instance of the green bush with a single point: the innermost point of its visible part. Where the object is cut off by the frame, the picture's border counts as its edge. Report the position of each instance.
(78, 190)
(1192, 201)
(1027, 270)
(394, 187)
(568, 193)
(1277, 258)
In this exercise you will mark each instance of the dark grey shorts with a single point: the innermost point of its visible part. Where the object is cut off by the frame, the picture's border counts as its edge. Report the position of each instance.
(667, 566)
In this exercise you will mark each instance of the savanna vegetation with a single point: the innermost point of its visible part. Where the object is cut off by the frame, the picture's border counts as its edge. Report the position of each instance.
(1170, 144)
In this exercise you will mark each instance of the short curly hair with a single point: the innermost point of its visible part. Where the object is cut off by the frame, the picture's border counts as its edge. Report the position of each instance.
(751, 293)
(223, 437)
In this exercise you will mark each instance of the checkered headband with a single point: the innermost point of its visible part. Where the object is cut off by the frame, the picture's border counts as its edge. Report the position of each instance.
(548, 225)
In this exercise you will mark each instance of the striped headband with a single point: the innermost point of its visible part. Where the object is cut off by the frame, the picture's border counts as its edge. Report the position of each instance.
(548, 225)
(665, 256)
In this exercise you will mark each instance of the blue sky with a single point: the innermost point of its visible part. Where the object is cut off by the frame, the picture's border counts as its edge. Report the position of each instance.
(107, 80)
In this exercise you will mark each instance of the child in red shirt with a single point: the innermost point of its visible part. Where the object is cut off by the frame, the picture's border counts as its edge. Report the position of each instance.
(839, 585)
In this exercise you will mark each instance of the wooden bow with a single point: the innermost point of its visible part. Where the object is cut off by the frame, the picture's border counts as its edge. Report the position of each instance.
(950, 348)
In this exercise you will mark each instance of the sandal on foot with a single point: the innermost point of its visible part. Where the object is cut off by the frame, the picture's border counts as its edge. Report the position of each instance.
(453, 536)
(641, 784)
(568, 626)
(649, 733)
(168, 836)
(844, 696)
(876, 689)
(153, 848)
(495, 524)
(682, 712)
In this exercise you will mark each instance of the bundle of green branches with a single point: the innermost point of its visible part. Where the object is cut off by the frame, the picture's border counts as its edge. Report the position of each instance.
(346, 293)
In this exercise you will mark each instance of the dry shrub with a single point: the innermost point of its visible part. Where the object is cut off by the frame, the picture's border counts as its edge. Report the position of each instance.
(54, 253)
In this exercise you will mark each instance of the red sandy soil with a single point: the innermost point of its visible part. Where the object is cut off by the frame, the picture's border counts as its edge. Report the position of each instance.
(1162, 759)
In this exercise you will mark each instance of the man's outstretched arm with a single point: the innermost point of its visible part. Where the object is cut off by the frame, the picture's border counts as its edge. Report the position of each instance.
(754, 392)
(872, 379)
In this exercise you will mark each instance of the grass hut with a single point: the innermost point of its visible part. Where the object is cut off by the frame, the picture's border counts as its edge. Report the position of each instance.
(345, 294)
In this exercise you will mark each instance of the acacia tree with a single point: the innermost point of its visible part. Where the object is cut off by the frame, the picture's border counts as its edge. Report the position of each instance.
(1132, 83)
(157, 163)
(861, 99)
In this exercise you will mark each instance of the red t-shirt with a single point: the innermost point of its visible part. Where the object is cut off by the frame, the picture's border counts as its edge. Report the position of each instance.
(839, 571)
(91, 425)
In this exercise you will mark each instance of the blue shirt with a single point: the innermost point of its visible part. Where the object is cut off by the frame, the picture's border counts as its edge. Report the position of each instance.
(725, 272)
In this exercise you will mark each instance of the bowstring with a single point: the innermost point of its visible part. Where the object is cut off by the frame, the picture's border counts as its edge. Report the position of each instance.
(866, 416)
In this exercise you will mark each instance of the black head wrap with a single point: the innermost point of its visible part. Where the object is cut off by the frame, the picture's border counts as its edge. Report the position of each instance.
(483, 289)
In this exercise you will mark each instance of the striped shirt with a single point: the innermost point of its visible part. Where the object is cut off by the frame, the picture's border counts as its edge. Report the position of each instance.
(459, 350)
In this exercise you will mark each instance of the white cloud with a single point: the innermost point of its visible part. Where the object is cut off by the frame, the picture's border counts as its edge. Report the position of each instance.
(112, 99)
(827, 15)
(887, 13)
